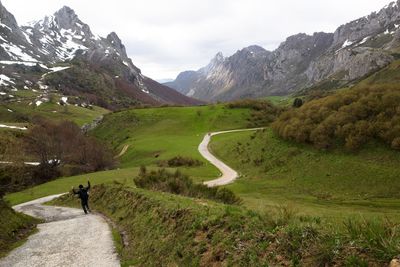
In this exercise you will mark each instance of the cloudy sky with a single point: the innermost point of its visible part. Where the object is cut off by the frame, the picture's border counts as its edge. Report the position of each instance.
(166, 37)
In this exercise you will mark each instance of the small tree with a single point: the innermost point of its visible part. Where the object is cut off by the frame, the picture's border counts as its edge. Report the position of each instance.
(298, 102)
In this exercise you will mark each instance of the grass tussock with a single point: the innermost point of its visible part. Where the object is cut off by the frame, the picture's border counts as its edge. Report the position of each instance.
(180, 184)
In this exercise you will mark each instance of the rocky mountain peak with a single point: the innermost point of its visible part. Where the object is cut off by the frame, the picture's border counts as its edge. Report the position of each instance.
(219, 57)
(7, 19)
(116, 42)
(66, 17)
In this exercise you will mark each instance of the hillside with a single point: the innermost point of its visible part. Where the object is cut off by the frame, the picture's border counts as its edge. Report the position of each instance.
(96, 69)
(158, 134)
(182, 231)
(331, 60)
(334, 184)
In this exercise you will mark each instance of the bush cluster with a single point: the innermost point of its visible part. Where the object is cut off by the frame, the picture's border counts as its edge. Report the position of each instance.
(351, 118)
(263, 111)
(180, 161)
(180, 184)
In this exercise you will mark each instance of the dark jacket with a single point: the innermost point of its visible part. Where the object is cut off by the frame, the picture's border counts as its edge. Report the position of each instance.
(82, 192)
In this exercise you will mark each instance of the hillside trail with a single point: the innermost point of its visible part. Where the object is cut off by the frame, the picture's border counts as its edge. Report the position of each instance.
(228, 175)
(123, 151)
(67, 238)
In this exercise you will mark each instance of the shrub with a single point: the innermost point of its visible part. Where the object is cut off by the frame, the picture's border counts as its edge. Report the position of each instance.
(65, 143)
(180, 184)
(350, 118)
(298, 102)
(180, 161)
(263, 111)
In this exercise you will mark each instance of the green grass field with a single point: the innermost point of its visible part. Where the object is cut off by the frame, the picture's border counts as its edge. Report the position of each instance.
(162, 133)
(329, 184)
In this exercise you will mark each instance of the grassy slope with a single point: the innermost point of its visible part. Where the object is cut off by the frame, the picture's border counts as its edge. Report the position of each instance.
(62, 185)
(165, 131)
(162, 133)
(14, 228)
(388, 76)
(179, 231)
(332, 184)
(78, 115)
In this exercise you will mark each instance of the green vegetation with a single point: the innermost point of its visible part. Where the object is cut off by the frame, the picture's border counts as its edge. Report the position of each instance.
(180, 231)
(351, 118)
(333, 184)
(23, 112)
(159, 134)
(179, 161)
(389, 76)
(262, 112)
(14, 228)
(180, 184)
(63, 185)
(300, 205)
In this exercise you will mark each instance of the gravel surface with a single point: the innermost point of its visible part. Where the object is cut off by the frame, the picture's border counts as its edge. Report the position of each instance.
(67, 238)
(228, 175)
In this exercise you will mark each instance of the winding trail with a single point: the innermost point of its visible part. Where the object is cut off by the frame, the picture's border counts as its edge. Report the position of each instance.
(228, 174)
(67, 238)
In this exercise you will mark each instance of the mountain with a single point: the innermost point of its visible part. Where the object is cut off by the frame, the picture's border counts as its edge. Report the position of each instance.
(353, 51)
(94, 68)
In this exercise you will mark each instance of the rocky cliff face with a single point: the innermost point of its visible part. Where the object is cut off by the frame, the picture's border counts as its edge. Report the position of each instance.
(351, 52)
(225, 77)
(63, 38)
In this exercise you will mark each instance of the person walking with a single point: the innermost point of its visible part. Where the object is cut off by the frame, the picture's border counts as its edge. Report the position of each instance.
(84, 196)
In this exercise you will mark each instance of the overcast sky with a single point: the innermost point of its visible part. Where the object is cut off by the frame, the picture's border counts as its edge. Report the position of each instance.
(165, 37)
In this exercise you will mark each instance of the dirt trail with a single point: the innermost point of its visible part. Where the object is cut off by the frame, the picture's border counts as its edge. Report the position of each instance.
(67, 238)
(123, 151)
(228, 175)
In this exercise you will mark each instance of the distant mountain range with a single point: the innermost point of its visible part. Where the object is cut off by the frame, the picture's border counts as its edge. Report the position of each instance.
(328, 60)
(94, 67)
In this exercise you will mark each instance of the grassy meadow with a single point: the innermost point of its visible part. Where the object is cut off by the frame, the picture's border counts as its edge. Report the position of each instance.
(335, 184)
(160, 134)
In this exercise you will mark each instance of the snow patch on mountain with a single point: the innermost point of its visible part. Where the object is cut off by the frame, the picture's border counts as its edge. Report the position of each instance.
(17, 52)
(5, 80)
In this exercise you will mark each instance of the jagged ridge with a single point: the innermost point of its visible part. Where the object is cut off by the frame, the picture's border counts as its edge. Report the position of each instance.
(351, 52)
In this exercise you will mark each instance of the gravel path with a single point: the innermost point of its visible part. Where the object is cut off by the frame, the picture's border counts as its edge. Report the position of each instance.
(67, 238)
(228, 175)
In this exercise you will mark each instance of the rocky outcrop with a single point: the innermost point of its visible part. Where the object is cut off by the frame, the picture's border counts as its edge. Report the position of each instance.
(354, 50)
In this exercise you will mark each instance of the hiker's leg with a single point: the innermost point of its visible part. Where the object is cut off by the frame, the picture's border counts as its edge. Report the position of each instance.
(83, 203)
(87, 206)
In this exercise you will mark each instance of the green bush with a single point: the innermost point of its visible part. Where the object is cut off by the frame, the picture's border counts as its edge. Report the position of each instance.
(349, 118)
(263, 111)
(180, 184)
(180, 161)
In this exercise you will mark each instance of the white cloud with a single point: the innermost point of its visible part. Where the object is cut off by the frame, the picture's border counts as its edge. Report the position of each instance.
(166, 37)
